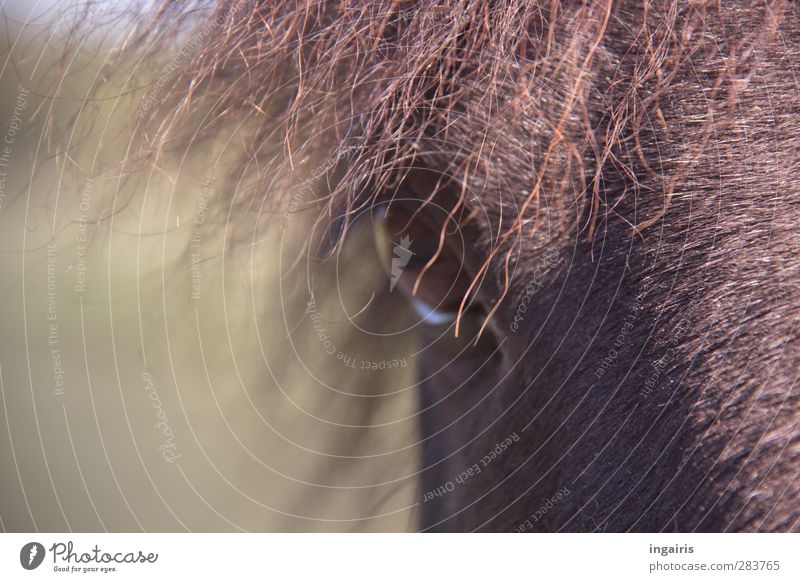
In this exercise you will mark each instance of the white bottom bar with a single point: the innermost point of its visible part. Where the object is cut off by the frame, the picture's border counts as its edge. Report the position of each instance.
(401, 557)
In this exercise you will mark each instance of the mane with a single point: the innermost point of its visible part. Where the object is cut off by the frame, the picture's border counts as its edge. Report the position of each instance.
(334, 102)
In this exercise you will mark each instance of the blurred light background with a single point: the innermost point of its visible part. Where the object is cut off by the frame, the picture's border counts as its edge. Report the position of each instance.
(154, 376)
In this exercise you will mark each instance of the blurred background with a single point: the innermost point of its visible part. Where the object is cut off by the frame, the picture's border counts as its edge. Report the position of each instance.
(154, 375)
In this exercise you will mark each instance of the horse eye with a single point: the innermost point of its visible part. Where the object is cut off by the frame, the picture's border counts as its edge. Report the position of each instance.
(424, 254)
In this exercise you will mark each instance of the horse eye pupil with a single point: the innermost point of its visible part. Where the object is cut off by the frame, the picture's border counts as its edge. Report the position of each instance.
(418, 260)
(426, 267)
